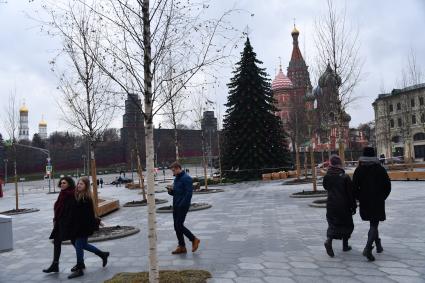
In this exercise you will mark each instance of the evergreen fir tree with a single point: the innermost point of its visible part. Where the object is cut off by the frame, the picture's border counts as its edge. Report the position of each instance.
(254, 139)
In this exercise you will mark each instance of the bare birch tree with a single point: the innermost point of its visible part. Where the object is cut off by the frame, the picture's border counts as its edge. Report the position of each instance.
(138, 37)
(11, 124)
(411, 73)
(338, 45)
(87, 102)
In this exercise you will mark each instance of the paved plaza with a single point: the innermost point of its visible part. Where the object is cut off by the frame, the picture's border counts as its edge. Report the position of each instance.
(253, 233)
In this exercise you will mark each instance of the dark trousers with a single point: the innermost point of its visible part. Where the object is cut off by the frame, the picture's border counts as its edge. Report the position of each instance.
(373, 234)
(81, 244)
(179, 216)
(57, 247)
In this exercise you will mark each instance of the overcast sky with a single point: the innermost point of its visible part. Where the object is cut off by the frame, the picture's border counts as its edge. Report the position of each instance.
(388, 29)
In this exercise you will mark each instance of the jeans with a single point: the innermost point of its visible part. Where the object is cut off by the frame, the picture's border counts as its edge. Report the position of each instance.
(179, 216)
(81, 244)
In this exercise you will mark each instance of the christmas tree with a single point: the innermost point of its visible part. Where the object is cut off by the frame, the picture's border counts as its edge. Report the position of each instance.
(254, 139)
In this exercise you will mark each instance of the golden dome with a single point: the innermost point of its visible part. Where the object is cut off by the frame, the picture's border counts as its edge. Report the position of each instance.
(42, 123)
(23, 108)
(295, 31)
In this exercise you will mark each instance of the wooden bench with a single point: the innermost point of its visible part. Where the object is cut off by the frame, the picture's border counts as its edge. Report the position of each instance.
(106, 206)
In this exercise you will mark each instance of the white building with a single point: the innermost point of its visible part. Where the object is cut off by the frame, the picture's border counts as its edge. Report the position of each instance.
(400, 122)
(23, 123)
(42, 129)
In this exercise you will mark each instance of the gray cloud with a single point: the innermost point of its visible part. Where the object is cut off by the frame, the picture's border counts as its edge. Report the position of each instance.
(387, 29)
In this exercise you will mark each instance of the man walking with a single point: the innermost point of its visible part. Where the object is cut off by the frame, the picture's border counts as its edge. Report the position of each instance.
(372, 186)
(182, 196)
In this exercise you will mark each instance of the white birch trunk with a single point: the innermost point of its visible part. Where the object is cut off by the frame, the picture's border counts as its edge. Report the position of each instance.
(147, 60)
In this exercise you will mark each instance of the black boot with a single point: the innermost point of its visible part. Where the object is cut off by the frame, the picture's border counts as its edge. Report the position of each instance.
(54, 267)
(78, 271)
(379, 248)
(367, 252)
(83, 266)
(328, 247)
(345, 246)
(104, 256)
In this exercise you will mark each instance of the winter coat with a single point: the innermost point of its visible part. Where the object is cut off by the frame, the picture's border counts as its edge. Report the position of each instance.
(341, 204)
(182, 190)
(63, 216)
(372, 186)
(84, 221)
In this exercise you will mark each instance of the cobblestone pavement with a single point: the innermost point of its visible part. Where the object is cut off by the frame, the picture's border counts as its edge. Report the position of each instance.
(253, 233)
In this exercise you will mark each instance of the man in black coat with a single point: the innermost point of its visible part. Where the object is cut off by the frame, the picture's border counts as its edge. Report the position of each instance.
(340, 206)
(372, 187)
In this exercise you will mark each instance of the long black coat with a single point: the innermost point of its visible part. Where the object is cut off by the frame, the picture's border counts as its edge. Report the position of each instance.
(341, 204)
(84, 222)
(372, 186)
(62, 228)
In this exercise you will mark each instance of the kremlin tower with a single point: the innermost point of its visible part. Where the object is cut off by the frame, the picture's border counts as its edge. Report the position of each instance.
(42, 129)
(23, 123)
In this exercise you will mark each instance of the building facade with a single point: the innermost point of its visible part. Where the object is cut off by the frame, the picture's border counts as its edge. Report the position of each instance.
(189, 141)
(400, 122)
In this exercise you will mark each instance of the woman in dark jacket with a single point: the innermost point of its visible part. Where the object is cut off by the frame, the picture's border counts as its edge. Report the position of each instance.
(340, 207)
(84, 223)
(62, 220)
(372, 187)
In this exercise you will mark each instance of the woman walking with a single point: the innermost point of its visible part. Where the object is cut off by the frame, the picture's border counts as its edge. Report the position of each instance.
(372, 187)
(84, 223)
(340, 207)
(62, 220)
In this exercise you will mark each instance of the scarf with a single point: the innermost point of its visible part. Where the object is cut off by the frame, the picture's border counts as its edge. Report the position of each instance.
(60, 202)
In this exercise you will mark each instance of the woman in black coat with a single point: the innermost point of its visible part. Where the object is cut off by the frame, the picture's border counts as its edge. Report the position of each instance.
(62, 220)
(84, 223)
(372, 187)
(340, 207)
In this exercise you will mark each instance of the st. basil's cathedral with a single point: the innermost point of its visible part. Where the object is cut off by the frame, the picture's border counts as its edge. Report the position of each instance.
(295, 90)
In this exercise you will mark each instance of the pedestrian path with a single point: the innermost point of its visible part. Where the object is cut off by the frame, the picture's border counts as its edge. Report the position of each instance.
(253, 233)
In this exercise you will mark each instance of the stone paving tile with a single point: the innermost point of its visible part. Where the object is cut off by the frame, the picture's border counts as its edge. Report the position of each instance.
(253, 233)
(271, 279)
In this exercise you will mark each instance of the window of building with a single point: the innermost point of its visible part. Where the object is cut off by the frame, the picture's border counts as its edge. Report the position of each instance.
(412, 102)
(392, 123)
(398, 106)
(391, 108)
(421, 101)
(413, 119)
(419, 137)
(396, 139)
(399, 122)
(423, 118)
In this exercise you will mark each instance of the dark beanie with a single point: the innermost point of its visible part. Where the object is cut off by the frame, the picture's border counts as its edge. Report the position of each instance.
(335, 161)
(369, 151)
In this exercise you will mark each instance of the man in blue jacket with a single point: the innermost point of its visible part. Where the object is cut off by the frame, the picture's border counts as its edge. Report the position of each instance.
(182, 196)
